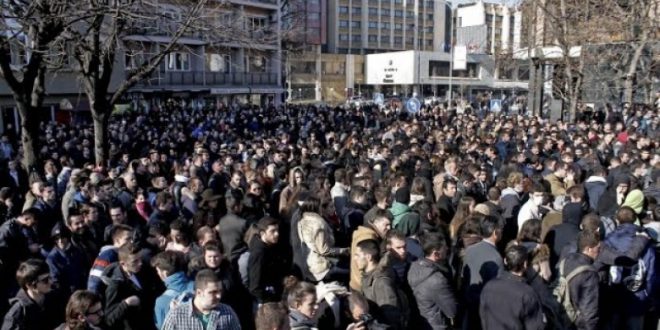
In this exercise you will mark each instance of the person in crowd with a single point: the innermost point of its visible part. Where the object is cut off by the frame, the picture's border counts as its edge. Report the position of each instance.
(84, 311)
(29, 309)
(125, 295)
(303, 307)
(585, 285)
(121, 235)
(445, 203)
(379, 287)
(375, 230)
(266, 264)
(508, 302)
(232, 228)
(204, 310)
(562, 234)
(482, 263)
(404, 218)
(430, 280)
(170, 267)
(532, 209)
(68, 267)
(272, 316)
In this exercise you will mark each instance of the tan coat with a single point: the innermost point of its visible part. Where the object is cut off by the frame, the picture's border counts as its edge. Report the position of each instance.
(317, 235)
(362, 233)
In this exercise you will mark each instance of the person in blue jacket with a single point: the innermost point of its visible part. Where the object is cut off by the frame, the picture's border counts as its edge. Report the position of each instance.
(170, 267)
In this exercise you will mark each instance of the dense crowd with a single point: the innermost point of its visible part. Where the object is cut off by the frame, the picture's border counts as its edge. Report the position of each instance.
(309, 217)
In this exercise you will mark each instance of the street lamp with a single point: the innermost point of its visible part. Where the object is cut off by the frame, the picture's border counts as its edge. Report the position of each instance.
(300, 93)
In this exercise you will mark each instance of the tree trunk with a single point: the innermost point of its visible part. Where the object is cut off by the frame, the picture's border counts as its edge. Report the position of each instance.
(629, 83)
(29, 134)
(101, 117)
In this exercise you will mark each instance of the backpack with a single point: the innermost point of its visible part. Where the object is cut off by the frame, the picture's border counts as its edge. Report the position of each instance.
(561, 292)
(632, 278)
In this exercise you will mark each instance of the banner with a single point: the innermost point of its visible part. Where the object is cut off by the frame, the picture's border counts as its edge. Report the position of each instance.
(460, 57)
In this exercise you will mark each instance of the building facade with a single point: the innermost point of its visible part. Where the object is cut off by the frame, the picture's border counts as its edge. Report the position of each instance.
(203, 67)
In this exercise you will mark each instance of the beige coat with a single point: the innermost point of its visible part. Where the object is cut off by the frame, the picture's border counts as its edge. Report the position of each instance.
(317, 236)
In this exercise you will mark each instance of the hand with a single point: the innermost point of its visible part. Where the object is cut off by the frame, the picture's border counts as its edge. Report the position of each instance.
(357, 326)
(132, 301)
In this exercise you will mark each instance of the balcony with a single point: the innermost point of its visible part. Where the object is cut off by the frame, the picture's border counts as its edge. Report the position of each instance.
(208, 79)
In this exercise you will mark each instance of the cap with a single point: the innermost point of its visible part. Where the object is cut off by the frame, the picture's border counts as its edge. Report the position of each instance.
(59, 230)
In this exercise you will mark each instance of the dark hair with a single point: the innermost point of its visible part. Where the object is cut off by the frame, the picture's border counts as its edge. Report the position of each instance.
(381, 193)
(357, 192)
(118, 230)
(576, 192)
(163, 197)
(299, 292)
(394, 234)
(515, 257)
(626, 215)
(494, 194)
(169, 261)
(489, 225)
(590, 222)
(231, 202)
(213, 246)
(29, 271)
(370, 247)
(379, 214)
(79, 304)
(273, 315)
(311, 204)
(587, 239)
(265, 222)
(447, 182)
(204, 277)
(432, 242)
(530, 231)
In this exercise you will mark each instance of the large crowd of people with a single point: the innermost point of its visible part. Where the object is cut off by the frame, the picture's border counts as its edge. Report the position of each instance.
(304, 217)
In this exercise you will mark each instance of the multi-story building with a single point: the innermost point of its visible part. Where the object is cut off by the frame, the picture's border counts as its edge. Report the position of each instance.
(205, 67)
(487, 28)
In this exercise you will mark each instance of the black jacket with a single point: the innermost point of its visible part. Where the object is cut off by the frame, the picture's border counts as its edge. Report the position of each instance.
(508, 302)
(385, 301)
(562, 234)
(267, 268)
(118, 315)
(433, 293)
(583, 289)
(26, 314)
(446, 209)
(13, 249)
(232, 228)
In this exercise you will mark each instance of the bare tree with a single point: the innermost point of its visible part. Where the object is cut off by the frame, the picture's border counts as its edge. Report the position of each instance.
(32, 29)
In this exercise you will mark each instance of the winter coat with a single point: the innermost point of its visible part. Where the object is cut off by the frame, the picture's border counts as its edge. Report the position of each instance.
(634, 303)
(583, 289)
(595, 187)
(521, 310)
(482, 263)
(353, 216)
(363, 233)
(175, 285)
(433, 293)
(385, 300)
(68, 268)
(232, 228)
(405, 220)
(119, 315)
(267, 269)
(510, 203)
(561, 235)
(318, 240)
(25, 314)
(557, 185)
(13, 249)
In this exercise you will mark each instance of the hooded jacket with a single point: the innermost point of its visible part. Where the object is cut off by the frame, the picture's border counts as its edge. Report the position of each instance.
(635, 200)
(405, 219)
(363, 233)
(298, 321)
(563, 234)
(25, 314)
(433, 293)
(175, 284)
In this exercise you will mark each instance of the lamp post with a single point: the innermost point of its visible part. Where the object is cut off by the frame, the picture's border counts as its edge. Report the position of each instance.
(299, 93)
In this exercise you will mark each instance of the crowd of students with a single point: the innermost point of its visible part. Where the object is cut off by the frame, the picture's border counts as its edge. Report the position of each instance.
(334, 218)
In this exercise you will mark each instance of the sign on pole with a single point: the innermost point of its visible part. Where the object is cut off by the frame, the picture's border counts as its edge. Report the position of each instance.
(413, 105)
(460, 57)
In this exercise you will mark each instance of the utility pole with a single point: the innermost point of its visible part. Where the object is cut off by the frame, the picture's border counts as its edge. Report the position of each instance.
(451, 57)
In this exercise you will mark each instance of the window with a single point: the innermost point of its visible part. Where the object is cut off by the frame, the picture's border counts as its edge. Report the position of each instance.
(398, 1)
(357, 10)
(343, 24)
(398, 13)
(385, 12)
(218, 63)
(356, 38)
(343, 37)
(333, 67)
(255, 23)
(373, 38)
(398, 40)
(19, 50)
(398, 26)
(385, 25)
(373, 25)
(429, 17)
(178, 61)
(373, 11)
(356, 24)
(256, 63)
(460, 22)
(343, 10)
(385, 39)
(410, 14)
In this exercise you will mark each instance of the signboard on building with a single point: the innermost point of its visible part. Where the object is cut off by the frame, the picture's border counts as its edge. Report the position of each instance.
(396, 68)
(460, 57)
